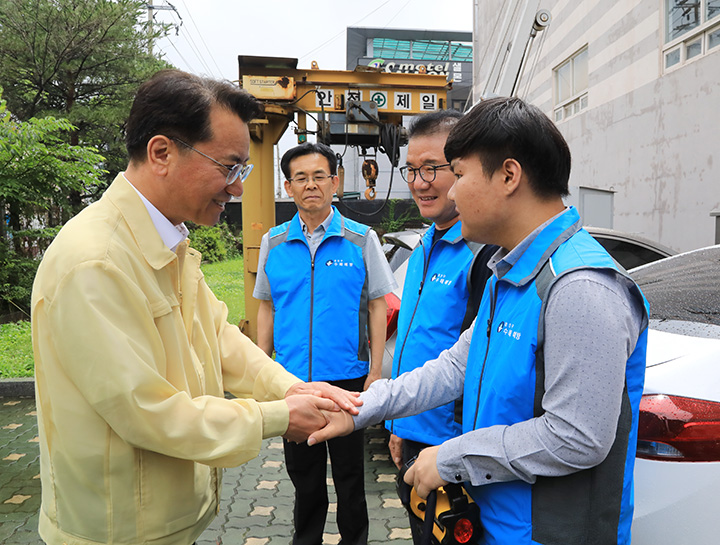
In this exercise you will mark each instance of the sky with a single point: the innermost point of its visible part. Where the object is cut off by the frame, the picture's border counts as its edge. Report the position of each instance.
(214, 32)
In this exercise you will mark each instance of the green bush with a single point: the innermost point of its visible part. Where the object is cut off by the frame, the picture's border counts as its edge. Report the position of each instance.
(209, 242)
(215, 243)
(233, 240)
(16, 279)
(394, 222)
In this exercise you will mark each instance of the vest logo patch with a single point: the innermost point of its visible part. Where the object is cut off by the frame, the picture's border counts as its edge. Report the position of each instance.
(508, 329)
(441, 279)
(338, 263)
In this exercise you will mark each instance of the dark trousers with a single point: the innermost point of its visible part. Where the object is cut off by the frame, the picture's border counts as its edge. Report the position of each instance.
(307, 467)
(410, 449)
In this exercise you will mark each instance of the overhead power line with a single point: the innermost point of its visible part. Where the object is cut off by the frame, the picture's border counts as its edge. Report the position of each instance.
(187, 36)
(336, 36)
(151, 17)
(192, 20)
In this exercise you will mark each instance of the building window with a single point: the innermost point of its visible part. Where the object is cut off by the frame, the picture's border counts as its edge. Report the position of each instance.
(713, 38)
(691, 29)
(713, 8)
(694, 48)
(425, 50)
(682, 17)
(672, 57)
(571, 85)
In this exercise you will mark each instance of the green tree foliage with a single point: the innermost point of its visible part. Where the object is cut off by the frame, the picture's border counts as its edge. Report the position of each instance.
(37, 168)
(69, 70)
(81, 60)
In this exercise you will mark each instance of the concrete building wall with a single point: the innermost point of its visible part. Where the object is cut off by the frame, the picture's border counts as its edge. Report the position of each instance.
(647, 136)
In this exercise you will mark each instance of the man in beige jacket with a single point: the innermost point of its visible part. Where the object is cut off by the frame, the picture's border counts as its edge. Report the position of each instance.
(133, 352)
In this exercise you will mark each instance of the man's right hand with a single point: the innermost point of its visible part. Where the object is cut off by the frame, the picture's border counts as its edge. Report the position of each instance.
(395, 446)
(345, 399)
(307, 415)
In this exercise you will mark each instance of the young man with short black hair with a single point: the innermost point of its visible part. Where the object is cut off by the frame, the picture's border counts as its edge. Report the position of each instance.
(552, 371)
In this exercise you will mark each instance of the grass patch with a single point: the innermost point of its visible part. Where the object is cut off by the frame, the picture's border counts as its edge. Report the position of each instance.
(16, 357)
(224, 278)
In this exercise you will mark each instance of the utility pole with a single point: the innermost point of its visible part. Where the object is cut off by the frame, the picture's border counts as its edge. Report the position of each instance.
(151, 15)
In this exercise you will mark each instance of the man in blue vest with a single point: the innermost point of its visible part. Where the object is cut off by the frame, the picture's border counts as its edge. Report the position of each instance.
(321, 280)
(443, 287)
(552, 370)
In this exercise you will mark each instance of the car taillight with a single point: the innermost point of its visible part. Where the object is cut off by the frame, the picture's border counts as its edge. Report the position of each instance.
(463, 531)
(679, 429)
(393, 309)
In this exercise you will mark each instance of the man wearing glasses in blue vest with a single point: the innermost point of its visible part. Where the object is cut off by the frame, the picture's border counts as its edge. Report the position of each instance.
(321, 283)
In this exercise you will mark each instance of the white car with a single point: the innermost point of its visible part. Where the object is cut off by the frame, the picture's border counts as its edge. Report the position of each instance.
(677, 468)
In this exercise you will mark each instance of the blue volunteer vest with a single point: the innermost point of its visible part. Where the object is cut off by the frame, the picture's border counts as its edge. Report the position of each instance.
(504, 384)
(320, 304)
(434, 304)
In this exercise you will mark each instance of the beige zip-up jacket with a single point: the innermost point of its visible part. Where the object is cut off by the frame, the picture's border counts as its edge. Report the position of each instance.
(133, 354)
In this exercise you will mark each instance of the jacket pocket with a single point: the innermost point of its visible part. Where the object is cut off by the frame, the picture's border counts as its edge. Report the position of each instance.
(175, 494)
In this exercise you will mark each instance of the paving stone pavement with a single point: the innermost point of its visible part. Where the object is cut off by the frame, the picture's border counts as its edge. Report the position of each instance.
(257, 497)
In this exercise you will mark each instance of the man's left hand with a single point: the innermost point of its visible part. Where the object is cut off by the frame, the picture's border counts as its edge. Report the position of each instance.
(372, 377)
(339, 423)
(423, 474)
(344, 399)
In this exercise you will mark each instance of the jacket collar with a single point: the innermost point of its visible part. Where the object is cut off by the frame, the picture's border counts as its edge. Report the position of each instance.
(172, 235)
(452, 236)
(542, 246)
(336, 227)
(124, 197)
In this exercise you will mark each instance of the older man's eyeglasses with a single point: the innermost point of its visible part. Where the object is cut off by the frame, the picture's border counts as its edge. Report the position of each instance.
(319, 178)
(235, 172)
(427, 172)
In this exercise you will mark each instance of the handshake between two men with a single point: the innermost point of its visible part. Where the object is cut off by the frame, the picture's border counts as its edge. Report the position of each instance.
(320, 411)
(311, 404)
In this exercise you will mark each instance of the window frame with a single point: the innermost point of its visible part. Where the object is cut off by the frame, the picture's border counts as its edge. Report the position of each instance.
(422, 50)
(578, 99)
(698, 34)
